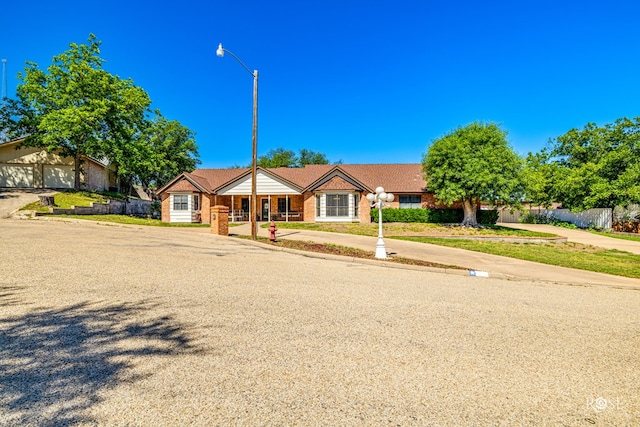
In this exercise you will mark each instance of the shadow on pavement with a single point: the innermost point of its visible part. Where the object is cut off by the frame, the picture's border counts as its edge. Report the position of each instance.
(54, 363)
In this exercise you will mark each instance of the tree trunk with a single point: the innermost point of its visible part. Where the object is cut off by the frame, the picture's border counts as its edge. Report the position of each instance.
(46, 200)
(470, 208)
(76, 178)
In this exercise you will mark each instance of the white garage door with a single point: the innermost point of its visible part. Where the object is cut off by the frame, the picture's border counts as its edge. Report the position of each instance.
(16, 176)
(58, 176)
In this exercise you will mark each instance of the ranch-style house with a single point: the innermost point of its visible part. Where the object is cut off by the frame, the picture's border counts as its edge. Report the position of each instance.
(314, 193)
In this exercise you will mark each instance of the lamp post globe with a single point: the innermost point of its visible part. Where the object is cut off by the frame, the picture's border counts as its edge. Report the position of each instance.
(377, 200)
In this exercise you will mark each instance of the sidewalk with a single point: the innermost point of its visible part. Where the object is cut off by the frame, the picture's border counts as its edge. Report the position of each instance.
(581, 236)
(496, 266)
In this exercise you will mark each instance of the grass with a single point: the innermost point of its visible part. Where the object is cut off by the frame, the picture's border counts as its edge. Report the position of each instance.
(132, 220)
(67, 199)
(571, 255)
(627, 236)
(567, 254)
(413, 229)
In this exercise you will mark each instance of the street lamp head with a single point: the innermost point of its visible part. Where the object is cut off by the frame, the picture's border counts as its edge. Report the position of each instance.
(382, 196)
(390, 197)
(371, 197)
(379, 190)
(220, 51)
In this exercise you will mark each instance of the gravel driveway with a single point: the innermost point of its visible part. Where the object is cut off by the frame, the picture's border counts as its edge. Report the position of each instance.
(114, 325)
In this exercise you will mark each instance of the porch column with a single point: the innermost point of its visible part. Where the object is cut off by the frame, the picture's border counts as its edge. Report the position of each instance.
(233, 210)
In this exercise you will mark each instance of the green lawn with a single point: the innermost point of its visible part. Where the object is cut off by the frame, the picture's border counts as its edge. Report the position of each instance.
(67, 199)
(567, 254)
(124, 219)
(412, 229)
(571, 255)
(631, 237)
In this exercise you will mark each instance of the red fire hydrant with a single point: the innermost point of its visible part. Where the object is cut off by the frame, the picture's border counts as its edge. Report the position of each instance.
(272, 231)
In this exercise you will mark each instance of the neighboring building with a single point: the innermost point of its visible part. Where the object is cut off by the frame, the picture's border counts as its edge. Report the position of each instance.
(30, 167)
(315, 193)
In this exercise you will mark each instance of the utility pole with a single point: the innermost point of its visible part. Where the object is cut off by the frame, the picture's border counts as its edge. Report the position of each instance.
(4, 78)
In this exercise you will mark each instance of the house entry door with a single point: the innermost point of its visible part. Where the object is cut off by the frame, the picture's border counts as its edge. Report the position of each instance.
(265, 210)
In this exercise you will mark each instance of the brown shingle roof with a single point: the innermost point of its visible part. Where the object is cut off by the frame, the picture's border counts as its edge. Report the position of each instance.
(182, 185)
(396, 178)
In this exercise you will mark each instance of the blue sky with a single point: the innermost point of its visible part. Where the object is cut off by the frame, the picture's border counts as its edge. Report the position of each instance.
(360, 81)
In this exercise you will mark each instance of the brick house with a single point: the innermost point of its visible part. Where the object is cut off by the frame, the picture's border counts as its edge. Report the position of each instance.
(315, 193)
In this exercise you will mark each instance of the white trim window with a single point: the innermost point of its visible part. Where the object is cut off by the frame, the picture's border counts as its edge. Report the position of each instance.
(337, 206)
(180, 202)
(409, 201)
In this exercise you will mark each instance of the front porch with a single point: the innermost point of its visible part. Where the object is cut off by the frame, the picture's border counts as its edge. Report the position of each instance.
(282, 207)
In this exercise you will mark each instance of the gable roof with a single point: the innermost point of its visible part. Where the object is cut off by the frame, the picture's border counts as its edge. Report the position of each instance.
(396, 178)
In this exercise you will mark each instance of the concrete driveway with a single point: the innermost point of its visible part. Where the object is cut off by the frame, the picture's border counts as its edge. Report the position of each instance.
(12, 199)
(581, 236)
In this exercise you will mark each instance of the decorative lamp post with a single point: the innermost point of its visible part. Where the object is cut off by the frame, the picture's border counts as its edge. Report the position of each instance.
(378, 199)
(254, 140)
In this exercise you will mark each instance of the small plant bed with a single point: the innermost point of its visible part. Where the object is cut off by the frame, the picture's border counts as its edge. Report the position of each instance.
(331, 249)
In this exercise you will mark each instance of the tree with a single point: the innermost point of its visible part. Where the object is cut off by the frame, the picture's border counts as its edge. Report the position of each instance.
(282, 158)
(472, 164)
(278, 158)
(173, 150)
(78, 109)
(596, 167)
(308, 157)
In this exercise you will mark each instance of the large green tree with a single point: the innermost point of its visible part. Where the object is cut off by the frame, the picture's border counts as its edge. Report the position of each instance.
(282, 158)
(79, 109)
(595, 167)
(172, 150)
(471, 164)
(76, 107)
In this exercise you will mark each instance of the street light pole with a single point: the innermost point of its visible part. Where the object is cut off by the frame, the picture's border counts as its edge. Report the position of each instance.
(254, 141)
(377, 200)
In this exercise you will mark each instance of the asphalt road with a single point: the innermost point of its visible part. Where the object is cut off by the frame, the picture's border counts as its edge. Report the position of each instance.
(113, 325)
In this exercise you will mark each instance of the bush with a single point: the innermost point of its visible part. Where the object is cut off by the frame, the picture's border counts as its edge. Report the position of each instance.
(532, 218)
(437, 216)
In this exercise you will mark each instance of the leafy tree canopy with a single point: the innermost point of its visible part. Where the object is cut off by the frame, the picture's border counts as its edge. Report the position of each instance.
(281, 158)
(596, 167)
(472, 164)
(78, 109)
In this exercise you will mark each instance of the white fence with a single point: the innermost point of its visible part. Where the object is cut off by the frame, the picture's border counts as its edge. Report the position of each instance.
(599, 218)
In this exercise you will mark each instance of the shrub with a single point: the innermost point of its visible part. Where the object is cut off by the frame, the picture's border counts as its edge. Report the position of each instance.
(544, 218)
(438, 216)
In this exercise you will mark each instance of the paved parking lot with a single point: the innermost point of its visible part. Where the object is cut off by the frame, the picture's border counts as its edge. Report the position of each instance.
(113, 325)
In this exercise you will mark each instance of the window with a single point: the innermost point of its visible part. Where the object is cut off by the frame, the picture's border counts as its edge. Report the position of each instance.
(180, 202)
(337, 204)
(412, 201)
(283, 204)
(196, 202)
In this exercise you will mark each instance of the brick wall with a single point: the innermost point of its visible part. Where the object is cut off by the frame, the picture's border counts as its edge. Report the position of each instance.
(166, 207)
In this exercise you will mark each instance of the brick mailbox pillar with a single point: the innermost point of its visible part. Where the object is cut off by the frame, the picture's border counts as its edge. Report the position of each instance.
(220, 220)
